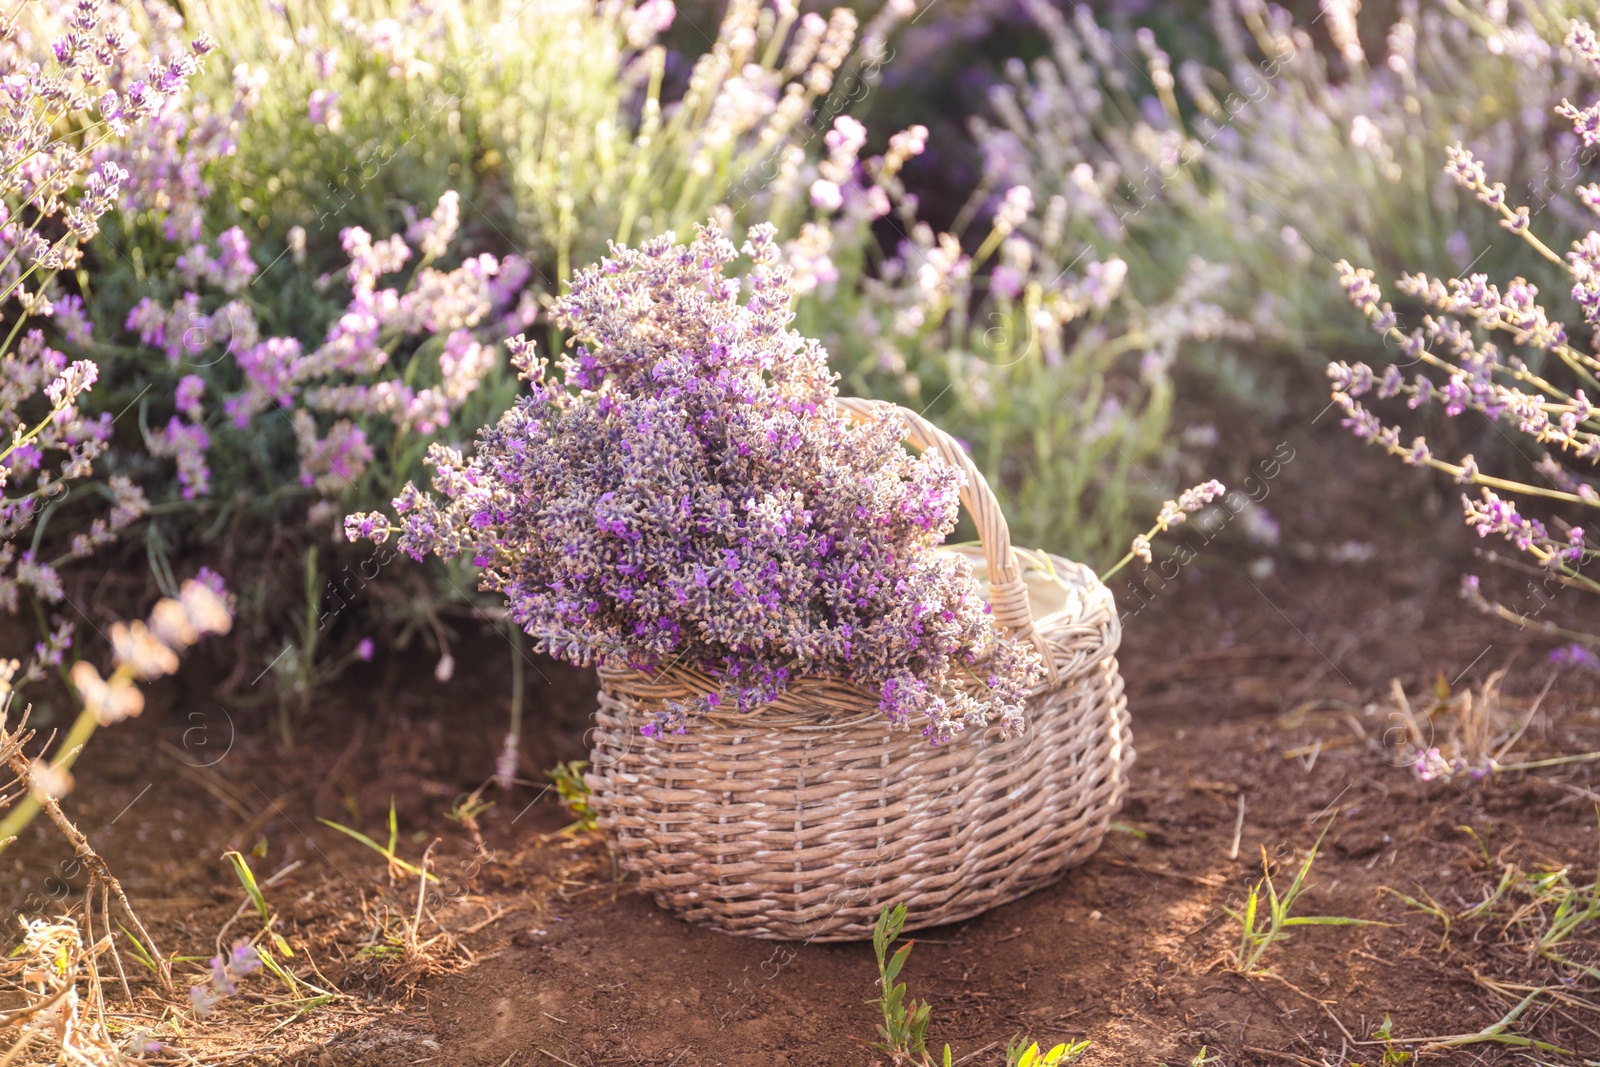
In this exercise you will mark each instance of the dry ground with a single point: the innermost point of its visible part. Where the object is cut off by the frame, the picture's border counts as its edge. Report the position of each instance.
(1265, 694)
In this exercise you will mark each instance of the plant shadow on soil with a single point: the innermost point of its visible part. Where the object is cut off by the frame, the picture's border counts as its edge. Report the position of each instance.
(1247, 688)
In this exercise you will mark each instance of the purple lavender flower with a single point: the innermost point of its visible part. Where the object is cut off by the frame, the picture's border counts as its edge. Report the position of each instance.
(1575, 655)
(187, 398)
(185, 442)
(1460, 341)
(223, 981)
(323, 109)
(212, 581)
(71, 320)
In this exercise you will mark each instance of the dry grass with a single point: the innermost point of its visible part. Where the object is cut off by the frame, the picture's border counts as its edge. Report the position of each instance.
(51, 1000)
(1468, 732)
(55, 1007)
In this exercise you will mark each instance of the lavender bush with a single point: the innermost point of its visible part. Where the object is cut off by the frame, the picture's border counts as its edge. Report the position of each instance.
(1497, 353)
(70, 102)
(293, 334)
(680, 489)
(255, 402)
(388, 374)
(66, 102)
(52, 196)
(1297, 149)
(384, 109)
(302, 363)
(1035, 353)
(558, 123)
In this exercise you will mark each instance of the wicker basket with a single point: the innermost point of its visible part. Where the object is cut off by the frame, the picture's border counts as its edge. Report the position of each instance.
(802, 820)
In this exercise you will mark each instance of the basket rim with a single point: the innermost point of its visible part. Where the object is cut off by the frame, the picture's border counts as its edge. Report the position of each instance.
(804, 704)
(1036, 561)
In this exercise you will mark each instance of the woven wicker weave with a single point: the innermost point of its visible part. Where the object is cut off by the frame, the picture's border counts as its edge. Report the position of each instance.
(802, 820)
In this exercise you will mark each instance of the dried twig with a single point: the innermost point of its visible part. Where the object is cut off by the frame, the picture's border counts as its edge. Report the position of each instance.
(98, 870)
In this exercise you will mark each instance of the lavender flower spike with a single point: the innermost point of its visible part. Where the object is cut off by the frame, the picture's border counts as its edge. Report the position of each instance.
(1172, 513)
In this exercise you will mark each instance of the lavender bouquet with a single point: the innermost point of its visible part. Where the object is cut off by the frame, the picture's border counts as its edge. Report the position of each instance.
(680, 489)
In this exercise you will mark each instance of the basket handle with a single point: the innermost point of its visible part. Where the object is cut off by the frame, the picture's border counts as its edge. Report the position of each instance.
(1008, 593)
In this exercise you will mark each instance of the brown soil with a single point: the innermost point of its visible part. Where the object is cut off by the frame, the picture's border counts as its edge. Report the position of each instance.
(1266, 694)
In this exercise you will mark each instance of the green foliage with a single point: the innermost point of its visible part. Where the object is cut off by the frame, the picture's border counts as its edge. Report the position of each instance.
(905, 1022)
(575, 795)
(1020, 1052)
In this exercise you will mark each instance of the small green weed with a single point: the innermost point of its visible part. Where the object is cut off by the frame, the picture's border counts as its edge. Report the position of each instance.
(1023, 1053)
(1392, 1057)
(1427, 906)
(143, 956)
(1575, 906)
(1499, 1033)
(267, 949)
(387, 852)
(247, 878)
(1543, 912)
(467, 808)
(1260, 930)
(905, 1023)
(575, 794)
(1203, 1058)
(1547, 907)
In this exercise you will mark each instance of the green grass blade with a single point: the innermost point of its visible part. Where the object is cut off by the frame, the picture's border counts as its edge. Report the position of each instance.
(140, 953)
(386, 853)
(247, 878)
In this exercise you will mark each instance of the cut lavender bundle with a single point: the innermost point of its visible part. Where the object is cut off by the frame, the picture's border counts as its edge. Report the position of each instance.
(682, 490)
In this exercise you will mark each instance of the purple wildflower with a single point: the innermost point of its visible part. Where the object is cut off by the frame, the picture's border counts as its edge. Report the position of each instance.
(1575, 655)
